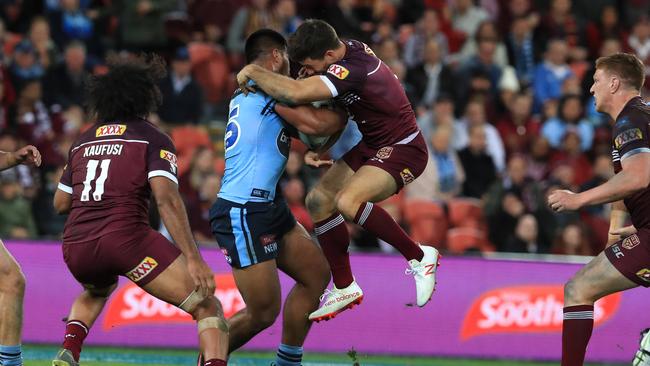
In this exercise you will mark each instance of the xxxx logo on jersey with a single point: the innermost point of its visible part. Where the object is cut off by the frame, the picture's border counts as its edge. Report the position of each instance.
(339, 71)
(110, 130)
(142, 270)
(169, 156)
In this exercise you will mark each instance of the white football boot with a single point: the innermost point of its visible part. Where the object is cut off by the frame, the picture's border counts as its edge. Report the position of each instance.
(642, 356)
(424, 272)
(336, 301)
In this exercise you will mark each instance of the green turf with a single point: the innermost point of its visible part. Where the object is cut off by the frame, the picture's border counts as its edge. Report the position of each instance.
(38, 355)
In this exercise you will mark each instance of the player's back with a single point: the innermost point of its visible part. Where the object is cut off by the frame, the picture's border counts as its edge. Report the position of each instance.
(631, 136)
(257, 146)
(108, 174)
(372, 94)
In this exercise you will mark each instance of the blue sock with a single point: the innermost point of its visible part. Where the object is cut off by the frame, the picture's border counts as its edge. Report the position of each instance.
(10, 356)
(288, 355)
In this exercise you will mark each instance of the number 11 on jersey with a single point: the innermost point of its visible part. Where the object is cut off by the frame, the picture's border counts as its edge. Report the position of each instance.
(91, 173)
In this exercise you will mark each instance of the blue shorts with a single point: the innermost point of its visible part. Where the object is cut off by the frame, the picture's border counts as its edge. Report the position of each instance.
(250, 233)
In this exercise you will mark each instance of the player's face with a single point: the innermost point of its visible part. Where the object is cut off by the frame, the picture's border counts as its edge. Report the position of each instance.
(600, 89)
(314, 66)
(281, 62)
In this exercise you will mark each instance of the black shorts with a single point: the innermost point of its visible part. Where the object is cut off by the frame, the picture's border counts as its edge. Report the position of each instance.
(250, 233)
(631, 257)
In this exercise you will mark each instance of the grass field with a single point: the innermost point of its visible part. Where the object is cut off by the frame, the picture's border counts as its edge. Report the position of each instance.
(38, 355)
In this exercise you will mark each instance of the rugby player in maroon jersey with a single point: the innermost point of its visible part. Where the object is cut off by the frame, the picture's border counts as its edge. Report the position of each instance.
(12, 283)
(391, 154)
(113, 168)
(625, 262)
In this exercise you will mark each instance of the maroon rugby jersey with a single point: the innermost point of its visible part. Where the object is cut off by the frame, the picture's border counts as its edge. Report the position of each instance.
(632, 136)
(108, 174)
(372, 95)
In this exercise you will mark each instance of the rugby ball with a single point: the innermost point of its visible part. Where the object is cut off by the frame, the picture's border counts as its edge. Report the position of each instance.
(313, 142)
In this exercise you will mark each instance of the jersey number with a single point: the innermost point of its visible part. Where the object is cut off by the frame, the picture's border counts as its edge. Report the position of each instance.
(91, 173)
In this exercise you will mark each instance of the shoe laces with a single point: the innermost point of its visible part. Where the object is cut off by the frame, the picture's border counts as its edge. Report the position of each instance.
(328, 292)
(415, 270)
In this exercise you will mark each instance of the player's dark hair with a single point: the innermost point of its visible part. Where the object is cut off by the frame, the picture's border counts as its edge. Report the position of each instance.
(261, 42)
(626, 66)
(311, 40)
(128, 90)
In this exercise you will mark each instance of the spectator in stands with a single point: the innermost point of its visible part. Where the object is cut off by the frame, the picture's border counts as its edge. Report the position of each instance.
(212, 17)
(515, 9)
(69, 23)
(537, 161)
(551, 73)
(480, 172)
(198, 208)
(49, 223)
(16, 220)
(572, 241)
(285, 20)
(607, 27)
(603, 171)
(523, 51)
(571, 155)
(466, 17)
(201, 166)
(570, 117)
(486, 30)
(430, 78)
(525, 237)
(475, 116)
(247, 20)
(388, 50)
(182, 96)
(47, 50)
(142, 23)
(639, 40)
(426, 29)
(65, 84)
(25, 65)
(441, 112)
(443, 176)
(344, 19)
(560, 23)
(519, 127)
(294, 192)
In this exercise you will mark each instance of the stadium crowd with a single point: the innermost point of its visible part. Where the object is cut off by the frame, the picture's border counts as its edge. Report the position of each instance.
(500, 89)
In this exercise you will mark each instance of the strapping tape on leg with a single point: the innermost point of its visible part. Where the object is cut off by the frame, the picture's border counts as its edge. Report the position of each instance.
(191, 302)
(212, 322)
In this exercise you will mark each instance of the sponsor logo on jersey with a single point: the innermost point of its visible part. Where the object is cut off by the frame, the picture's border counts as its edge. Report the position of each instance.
(338, 71)
(628, 136)
(644, 274)
(110, 130)
(617, 251)
(269, 242)
(284, 142)
(171, 158)
(227, 255)
(407, 176)
(142, 270)
(368, 50)
(384, 152)
(526, 309)
(631, 241)
(132, 306)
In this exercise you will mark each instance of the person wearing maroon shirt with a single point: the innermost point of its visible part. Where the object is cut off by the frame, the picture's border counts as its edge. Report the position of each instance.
(12, 285)
(391, 154)
(625, 262)
(113, 168)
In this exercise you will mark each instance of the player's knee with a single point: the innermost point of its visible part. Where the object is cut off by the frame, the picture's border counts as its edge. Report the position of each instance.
(574, 294)
(208, 307)
(316, 201)
(13, 281)
(101, 293)
(347, 204)
(265, 317)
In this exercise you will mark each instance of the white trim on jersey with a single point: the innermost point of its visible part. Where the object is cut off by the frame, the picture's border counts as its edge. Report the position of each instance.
(64, 188)
(162, 173)
(376, 68)
(408, 138)
(634, 152)
(109, 140)
(330, 86)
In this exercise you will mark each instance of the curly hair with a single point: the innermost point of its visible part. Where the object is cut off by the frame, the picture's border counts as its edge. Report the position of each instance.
(128, 90)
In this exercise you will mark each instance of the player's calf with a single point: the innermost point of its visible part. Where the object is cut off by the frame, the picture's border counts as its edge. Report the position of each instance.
(12, 291)
(212, 328)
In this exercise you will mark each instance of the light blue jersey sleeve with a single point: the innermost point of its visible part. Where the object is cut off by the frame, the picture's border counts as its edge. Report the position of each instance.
(256, 146)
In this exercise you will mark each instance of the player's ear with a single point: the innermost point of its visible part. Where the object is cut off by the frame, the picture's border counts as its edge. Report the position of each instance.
(614, 84)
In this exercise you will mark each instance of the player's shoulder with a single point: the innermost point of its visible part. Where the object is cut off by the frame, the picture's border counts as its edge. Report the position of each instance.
(257, 103)
(636, 113)
(358, 59)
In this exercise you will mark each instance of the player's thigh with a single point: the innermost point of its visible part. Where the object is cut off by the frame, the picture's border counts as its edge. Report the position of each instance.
(333, 181)
(369, 183)
(597, 279)
(8, 264)
(302, 259)
(174, 284)
(259, 286)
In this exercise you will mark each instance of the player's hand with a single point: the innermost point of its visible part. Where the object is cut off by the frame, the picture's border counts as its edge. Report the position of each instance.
(312, 158)
(624, 232)
(564, 200)
(202, 276)
(28, 155)
(242, 80)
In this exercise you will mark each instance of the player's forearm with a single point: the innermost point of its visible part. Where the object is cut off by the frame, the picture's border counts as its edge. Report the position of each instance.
(620, 186)
(310, 120)
(173, 215)
(7, 160)
(618, 216)
(276, 85)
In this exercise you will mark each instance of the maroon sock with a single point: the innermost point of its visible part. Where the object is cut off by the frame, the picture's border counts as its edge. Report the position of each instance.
(75, 333)
(334, 238)
(377, 221)
(576, 331)
(215, 362)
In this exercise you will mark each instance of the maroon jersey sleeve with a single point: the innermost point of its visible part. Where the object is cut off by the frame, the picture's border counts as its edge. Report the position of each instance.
(630, 138)
(65, 183)
(345, 76)
(161, 158)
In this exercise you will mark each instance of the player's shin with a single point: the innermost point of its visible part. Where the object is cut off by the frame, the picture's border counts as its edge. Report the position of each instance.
(334, 239)
(213, 331)
(75, 334)
(576, 330)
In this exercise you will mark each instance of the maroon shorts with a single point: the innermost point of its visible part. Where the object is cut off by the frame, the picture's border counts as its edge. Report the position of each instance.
(631, 257)
(140, 255)
(403, 161)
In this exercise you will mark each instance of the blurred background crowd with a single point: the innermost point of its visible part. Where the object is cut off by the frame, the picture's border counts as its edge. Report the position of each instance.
(500, 89)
